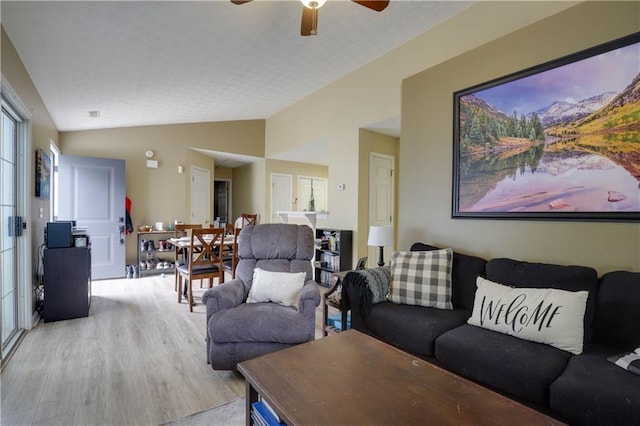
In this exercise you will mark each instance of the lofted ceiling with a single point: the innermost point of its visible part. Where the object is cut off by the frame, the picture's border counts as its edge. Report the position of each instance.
(136, 63)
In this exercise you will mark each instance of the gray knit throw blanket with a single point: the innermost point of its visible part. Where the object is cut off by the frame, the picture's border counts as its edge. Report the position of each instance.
(371, 284)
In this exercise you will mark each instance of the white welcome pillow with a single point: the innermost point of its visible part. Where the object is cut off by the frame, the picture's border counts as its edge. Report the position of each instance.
(276, 287)
(545, 315)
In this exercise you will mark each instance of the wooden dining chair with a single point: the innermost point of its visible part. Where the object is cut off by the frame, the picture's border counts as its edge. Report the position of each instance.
(249, 219)
(204, 260)
(229, 264)
(181, 230)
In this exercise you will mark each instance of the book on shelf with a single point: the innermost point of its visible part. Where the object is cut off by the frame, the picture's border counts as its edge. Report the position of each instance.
(263, 415)
(331, 261)
(332, 240)
(325, 278)
(335, 321)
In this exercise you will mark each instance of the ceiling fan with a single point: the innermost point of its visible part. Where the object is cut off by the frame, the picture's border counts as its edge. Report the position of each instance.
(310, 8)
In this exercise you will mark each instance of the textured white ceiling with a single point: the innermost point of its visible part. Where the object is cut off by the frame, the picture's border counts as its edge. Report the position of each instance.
(144, 63)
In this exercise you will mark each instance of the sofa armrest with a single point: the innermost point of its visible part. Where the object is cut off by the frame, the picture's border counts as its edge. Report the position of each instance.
(219, 298)
(308, 301)
(224, 296)
(358, 294)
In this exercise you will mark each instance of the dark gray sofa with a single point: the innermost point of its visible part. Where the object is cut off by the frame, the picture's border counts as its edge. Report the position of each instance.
(579, 389)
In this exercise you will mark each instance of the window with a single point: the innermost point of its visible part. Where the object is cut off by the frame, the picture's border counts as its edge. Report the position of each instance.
(312, 194)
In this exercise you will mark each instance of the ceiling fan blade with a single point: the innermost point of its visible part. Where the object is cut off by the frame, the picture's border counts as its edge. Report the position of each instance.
(376, 5)
(309, 25)
(240, 1)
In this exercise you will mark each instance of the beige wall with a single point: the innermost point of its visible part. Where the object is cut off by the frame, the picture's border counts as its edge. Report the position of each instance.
(163, 194)
(248, 190)
(43, 130)
(371, 142)
(224, 173)
(334, 114)
(426, 149)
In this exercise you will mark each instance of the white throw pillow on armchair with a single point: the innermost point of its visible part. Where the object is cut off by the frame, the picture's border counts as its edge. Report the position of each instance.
(277, 287)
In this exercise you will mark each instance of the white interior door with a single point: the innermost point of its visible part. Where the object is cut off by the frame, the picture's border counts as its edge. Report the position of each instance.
(200, 195)
(381, 204)
(92, 192)
(281, 194)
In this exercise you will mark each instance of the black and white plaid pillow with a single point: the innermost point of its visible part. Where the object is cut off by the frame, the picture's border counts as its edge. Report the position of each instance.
(422, 278)
(628, 361)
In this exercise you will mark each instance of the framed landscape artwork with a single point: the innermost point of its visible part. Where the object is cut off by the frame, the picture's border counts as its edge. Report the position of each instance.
(43, 174)
(558, 141)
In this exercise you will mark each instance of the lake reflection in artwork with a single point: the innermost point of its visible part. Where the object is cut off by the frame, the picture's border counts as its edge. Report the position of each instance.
(541, 181)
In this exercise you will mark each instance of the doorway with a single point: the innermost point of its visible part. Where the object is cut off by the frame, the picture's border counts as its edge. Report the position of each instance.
(15, 238)
(91, 191)
(381, 197)
(200, 195)
(281, 194)
(222, 200)
(8, 252)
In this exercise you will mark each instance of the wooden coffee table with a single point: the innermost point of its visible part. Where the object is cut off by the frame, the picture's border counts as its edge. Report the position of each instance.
(350, 378)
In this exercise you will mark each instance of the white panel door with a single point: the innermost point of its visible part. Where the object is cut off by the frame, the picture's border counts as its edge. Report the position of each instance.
(380, 195)
(281, 195)
(92, 192)
(200, 195)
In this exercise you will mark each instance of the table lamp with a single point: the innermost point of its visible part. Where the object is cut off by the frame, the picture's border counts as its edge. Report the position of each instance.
(380, 236)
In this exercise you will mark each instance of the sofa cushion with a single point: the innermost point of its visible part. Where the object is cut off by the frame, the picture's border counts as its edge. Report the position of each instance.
(593, 391)
(520, 368)
(545, 315)
(517, 273)
(258, 322)
(465, 270)
(618, 310)
(413, 328)
(421, 278)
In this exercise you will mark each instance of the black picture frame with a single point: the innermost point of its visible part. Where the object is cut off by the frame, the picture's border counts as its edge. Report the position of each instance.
(555, 160)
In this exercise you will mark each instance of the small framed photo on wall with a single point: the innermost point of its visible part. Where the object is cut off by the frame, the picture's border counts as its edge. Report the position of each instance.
(43, 174)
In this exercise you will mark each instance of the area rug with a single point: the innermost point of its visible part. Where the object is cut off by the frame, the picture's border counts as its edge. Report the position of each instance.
(229, 414)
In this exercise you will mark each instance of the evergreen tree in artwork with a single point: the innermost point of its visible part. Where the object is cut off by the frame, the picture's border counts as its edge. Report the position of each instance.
(483, 129)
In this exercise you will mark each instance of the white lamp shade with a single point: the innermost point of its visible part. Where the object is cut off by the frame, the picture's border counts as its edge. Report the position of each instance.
(380, 236)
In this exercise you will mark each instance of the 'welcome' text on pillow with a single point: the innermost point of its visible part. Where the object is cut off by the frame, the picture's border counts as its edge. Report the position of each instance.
(516, 313)
(545, 315)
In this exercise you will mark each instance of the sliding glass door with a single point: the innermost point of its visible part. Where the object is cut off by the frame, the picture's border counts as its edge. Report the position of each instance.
(8, 239)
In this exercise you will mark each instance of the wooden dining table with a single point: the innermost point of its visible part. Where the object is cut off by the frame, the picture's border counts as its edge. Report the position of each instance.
(185, 242)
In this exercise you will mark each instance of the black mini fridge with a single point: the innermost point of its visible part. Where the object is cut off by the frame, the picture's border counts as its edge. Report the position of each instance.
(67, 283)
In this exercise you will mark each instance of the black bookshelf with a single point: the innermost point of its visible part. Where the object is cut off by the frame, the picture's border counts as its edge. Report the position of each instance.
(333, 253)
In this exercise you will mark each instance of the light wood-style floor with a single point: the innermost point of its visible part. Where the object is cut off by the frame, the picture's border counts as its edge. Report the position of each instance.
(138, 359)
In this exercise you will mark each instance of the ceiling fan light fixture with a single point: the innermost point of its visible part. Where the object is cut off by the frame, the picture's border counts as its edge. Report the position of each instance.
(313, 4)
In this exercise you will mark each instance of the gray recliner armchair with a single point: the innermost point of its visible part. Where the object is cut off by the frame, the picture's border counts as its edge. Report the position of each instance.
(236, 330)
